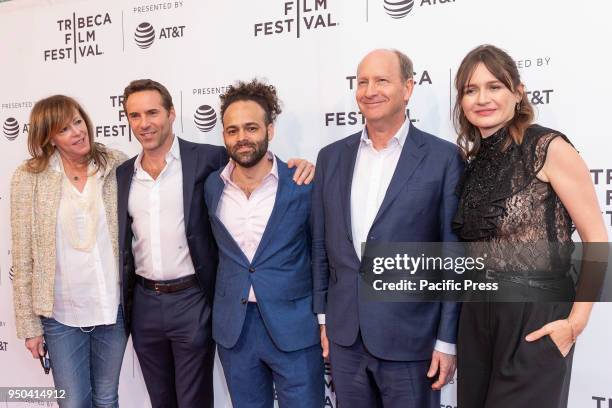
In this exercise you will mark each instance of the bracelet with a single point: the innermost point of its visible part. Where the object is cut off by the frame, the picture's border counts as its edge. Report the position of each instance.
(572, 328)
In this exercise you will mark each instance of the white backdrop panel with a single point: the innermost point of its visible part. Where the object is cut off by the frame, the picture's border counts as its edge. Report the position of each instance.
(309, 49)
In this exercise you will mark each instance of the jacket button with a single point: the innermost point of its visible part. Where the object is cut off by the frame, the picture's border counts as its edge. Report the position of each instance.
(251, 269)
(243, 301)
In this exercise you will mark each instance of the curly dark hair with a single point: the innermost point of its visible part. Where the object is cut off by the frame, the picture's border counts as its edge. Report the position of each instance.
(259, 92)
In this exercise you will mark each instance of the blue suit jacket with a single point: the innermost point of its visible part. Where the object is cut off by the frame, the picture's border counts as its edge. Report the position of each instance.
(281, 272)
(418, 207)
(197, 162)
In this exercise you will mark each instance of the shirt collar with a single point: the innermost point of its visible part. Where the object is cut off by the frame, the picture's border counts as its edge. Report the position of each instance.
(173, 154)
(399, 136)
(55, 163)
(226, 174)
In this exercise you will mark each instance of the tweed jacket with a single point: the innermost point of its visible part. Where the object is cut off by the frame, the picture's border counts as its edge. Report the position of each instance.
(34, 205)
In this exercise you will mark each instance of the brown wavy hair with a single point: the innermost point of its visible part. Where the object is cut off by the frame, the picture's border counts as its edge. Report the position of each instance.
(502, 67)
(48, 117)
(140, 85)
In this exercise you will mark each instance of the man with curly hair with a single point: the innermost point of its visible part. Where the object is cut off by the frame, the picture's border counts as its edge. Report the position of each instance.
(263, 323)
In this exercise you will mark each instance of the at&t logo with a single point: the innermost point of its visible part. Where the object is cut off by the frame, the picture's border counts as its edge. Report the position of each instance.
(205, 118)
(540, 97)
(401, 8)
(11, 128)
(398, 9)
(145, 34)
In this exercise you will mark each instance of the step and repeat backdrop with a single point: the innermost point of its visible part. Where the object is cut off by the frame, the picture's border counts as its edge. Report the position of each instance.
(309, 50)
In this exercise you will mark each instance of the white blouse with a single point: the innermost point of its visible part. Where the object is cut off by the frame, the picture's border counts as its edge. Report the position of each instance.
(86, 280)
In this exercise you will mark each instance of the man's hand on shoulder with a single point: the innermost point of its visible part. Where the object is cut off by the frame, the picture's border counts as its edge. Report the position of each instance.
(304, 172)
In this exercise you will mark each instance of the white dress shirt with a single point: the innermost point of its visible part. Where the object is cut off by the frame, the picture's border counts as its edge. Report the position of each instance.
(244, 217)
(371, 178)
(158, 222)
(86, 282)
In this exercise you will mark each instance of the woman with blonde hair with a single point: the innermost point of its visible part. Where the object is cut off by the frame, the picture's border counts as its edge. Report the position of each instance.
(524, 188)
(65, 257)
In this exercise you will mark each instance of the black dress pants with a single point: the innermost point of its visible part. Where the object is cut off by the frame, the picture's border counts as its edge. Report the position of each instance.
(498, 368)
(171, 333)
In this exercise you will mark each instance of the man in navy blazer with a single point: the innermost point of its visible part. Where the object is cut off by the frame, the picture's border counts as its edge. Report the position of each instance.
(388, 183)
(263, 323)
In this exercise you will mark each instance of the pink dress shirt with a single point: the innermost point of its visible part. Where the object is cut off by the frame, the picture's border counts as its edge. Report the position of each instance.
(246, 217)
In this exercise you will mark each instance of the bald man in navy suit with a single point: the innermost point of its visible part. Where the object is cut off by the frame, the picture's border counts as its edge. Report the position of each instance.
(390, 182)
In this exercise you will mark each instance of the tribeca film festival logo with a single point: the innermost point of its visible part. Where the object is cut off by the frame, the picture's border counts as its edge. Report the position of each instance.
(205, 118)
(602, 178)
(330, 399)
(298, 15)
(79, 38)
(356, 117)
(602, 402)
(117, 129)
(401, 8)
(145, 34)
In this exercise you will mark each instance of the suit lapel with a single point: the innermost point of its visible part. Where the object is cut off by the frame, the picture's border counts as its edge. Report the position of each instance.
(216, 192)
(124, 182)
(413, 152)
(189, 161)
(284, 192)
(215, 196)
(348, 158)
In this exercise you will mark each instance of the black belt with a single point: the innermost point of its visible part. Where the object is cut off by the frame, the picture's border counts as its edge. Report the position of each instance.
(535, 281)
(168, 286)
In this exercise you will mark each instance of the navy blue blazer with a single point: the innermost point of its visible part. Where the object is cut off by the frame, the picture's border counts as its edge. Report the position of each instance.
(197, 162)
(418, 207)
(281, 272)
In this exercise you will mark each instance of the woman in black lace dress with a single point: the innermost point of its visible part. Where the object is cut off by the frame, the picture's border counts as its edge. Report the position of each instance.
(524, 184)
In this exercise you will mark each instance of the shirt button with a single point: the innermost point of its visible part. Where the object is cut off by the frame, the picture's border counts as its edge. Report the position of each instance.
(251, 269)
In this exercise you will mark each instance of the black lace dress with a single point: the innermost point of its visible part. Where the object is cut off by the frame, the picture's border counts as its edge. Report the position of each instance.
(503, 203)
(501, 198)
